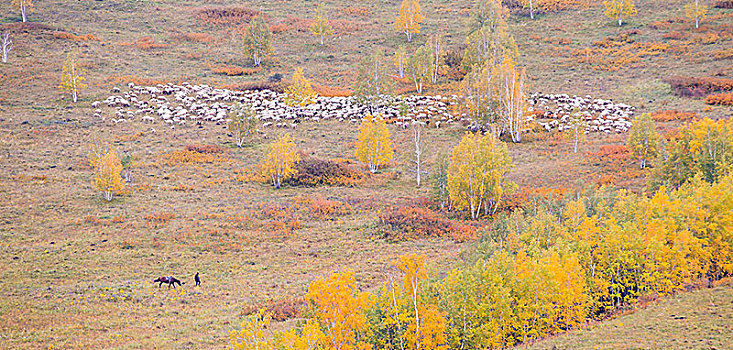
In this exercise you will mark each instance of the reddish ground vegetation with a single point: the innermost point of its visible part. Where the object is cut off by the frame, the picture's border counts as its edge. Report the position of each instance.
(724, 4)
(673, 115)
(282, 310)
(316, 172)
(225, 16)
(415, 221)
(74, 37)
(698, 87)
(148, 43)
(235, 71)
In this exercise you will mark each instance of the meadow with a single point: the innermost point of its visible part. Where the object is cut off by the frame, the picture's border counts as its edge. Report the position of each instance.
(77, 270)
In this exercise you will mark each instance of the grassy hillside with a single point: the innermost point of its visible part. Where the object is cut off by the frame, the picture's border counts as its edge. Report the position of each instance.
(77, 271)
(701, 319)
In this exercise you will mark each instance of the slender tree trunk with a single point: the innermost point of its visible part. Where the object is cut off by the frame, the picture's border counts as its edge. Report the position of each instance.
(531, 10)
(22, 9)
(321, 39)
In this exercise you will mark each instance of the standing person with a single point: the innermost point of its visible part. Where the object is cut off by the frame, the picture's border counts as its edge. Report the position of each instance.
(197, 279)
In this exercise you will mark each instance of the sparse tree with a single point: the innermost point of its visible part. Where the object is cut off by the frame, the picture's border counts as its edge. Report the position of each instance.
(25, 7)
(409, 19)
(242, 122)
(477, 88)
(575, 129)
(619, 9)
(400, 59)
(372, 80)
(320, 26)
(300, 93)
(489, 44)
(512, 102)
(643, 139)
(420, 65)
(476, 173)
(373, 146)
(72, 79)
(417, 127)
(436, 51)
(107, 169)
(258, 40)
(7, 46)
(530, 4)
(280, 159)
(696, 11)
(440, 180)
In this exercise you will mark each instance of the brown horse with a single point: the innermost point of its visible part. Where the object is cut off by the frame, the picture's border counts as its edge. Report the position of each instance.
(167, 279)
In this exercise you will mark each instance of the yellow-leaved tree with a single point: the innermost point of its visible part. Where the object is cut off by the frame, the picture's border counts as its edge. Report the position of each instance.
(107, 169)
(320, 26)
(476, 173)
(696, 11)
(643, 139)
(512, 101)
(340, 309)
(619, 9)
(409, 18)
(25, 7)
(72, 79)
(252, 335)
(300, 93)
(373, 146)
(280, 159)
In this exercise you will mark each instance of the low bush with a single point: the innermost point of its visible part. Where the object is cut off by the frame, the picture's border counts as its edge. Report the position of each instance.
(672, 115)
(313, 172)
(612, 152)
(279, 218)
(74, 37)
(194, 154)
(225, 16)
(724, 4)
(356, 11)
(323, 208)
(195, 38)
(331, 91)
(410, 222)
(720, 99)
(699, 87)
(148, 43)
(258, 86)
(211, 149)
(282, 310)
(235, 71)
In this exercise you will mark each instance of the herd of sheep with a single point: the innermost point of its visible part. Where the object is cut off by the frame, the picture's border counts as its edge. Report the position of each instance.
(185, 104)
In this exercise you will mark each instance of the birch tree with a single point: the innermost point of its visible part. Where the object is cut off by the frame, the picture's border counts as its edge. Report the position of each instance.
(372, 81)
(7, 46)
(72, 79)
(436, 51)
(576, 129)
(373, 146)
(417, 127)
(258, 40)
(512, 101)
(400, 59)
(320, 26)
(409, 19)
(242, 122)
(696, 12)
(476, 174)
(25, 7)
(419, 66)
(280, 159)
(619, 9)
(643, 139)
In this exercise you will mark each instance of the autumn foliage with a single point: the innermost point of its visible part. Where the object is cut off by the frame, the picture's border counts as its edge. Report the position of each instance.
(720, 99)
(107, 170)
(409, 18)
(411, 222)
(279, 162)
(374, 147)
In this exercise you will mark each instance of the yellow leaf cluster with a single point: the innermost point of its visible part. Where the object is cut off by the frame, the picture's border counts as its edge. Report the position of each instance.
(320, 26)
(476, 173)
(72, 79)
(619, 9)
(280, 160)
(300, 92)
(107, 169)
(409, 19)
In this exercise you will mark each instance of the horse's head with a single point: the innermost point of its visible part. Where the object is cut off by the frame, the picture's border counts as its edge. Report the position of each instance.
(157, 280)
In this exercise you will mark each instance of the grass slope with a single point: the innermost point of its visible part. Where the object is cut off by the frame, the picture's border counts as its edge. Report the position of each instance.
(77, 272)
(701, 319)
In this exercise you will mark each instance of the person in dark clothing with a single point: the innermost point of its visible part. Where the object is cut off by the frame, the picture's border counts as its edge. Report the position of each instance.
(197, 279)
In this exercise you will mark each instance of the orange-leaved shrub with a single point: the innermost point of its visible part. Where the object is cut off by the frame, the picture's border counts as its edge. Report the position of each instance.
(225, 16)
(194, 154)
(74, 37)
(698, 87)
(720, 99)
(672, 115)
(281, 310)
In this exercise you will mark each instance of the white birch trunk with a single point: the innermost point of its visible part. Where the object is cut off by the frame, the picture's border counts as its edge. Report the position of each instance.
(7, 46)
